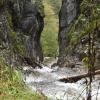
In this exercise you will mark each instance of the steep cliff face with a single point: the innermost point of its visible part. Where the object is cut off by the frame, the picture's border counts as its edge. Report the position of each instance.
(69, 11)
(73, 31)
(22, 23)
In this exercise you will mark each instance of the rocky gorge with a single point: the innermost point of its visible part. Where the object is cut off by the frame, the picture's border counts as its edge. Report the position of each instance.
(23, 22)
(21, 26)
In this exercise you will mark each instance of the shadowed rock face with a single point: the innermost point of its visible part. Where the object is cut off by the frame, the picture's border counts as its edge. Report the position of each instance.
(27, 23)
(68, 57)
(69, 11)
(30, 23)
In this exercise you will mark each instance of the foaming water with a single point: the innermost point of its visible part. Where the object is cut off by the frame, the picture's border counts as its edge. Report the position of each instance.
(45, 81)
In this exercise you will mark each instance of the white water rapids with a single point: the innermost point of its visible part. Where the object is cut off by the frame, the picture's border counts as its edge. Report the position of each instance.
(45, 81)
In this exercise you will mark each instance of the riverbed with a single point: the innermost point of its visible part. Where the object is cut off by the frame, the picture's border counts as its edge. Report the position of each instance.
(45, 81)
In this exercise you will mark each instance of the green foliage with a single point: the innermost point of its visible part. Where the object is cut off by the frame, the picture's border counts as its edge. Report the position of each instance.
(16, 43)
(14, 89)
(9, 19)
(84, 25)
(49, 34)
(85, 60)
(56, 4)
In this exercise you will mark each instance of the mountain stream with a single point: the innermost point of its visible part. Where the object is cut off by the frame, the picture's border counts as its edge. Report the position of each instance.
(45, 81)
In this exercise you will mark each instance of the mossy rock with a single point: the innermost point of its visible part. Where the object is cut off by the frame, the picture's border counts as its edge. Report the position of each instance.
(40, 6)
(17, 45)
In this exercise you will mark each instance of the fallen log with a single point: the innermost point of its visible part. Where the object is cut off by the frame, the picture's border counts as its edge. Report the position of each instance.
(72, 79)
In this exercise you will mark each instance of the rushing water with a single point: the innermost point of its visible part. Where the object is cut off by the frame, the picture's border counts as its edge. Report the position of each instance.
(45, 81)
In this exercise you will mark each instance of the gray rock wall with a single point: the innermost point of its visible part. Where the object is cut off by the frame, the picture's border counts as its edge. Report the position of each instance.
(69, 11)
(31, 24)
(27, 24)
(70, 54)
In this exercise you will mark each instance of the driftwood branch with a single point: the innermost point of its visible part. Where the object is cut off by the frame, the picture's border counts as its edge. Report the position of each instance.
(77, 77)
